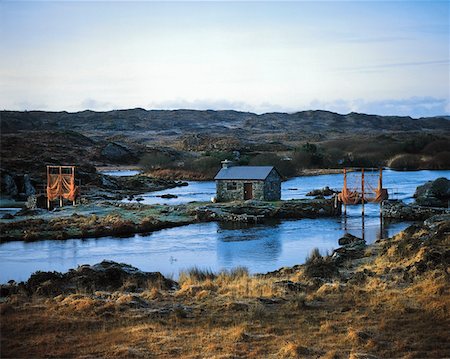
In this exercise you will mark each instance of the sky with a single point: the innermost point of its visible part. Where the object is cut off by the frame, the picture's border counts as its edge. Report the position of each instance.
(378, 57)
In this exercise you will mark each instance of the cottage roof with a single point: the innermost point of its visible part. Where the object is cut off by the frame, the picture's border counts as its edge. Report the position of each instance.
(244, 173)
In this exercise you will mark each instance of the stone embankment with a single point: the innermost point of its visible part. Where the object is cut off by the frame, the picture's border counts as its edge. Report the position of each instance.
(410, 212)
(98, 219)
(104, 276)
(257, 211)
(432, 198)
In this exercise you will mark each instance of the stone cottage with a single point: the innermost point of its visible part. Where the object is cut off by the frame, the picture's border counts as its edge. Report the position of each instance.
(238, 183)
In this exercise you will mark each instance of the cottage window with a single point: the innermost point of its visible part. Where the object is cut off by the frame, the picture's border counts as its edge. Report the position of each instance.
(231, 186)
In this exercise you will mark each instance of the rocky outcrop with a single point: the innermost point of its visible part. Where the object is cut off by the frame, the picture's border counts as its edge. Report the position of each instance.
(308, 208)
(434, 193)
(28, 188)
(351, 248)
(8, 185)
(107, 276)
(133, 185)
(398, 210)
(326, 191)
(116, 153)
(255, 211)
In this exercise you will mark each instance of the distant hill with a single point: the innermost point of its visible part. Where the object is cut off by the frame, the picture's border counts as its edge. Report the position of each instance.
(240, 124)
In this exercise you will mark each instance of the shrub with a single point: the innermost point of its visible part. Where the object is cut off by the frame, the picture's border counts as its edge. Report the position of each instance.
(123, 227)
(405, 162)
(155, 161)
(205, 164)
(317, 266)
(195, 275)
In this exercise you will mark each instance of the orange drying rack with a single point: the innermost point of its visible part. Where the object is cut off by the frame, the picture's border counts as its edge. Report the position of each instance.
(61, 184)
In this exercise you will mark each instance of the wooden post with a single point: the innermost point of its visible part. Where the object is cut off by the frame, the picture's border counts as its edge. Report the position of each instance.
(345, 190)
(60, 181)
(73, 181)
(380, 187)
(48, 184)
(363, 230)
(362, 190)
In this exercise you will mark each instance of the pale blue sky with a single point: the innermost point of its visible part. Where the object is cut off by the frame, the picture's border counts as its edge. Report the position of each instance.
(375, 57)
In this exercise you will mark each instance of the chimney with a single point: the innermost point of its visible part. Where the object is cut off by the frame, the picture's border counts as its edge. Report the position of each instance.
(226, 164)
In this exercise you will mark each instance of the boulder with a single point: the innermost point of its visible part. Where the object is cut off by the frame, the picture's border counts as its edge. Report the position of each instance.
(326, 191)
(9, 186)
(352, 247)
(28, 188)
(434, 193)
(116, 153)
(168, 196)
(104, 276)
(398, 210)
(348, 238)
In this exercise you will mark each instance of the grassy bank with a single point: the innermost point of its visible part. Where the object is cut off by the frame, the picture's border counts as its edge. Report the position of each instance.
(103, 218)
(392, 300)
(97, 219)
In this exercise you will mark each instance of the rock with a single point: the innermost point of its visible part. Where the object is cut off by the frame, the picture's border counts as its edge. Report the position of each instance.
(30, 212)
(104, 276)
(437, 221)
(116, 153)
(352, 247)
(31, 202)
(109, 182)
(27, 186)
(8, 216)
(362, 356)
(348, 238)
(9, 186)
(168, 195)
(399, 210)
(326, 191)
(289, 286)
(434, 193)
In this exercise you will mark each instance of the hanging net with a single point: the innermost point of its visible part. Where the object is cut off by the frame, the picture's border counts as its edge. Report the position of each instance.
(373, 187)
(61, 183)
(351, 190)
(364, 185)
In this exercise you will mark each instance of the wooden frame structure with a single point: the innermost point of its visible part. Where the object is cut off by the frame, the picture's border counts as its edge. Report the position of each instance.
(354, 196)
(61, 184)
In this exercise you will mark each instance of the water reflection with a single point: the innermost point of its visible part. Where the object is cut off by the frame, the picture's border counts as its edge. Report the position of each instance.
(401, 185)
(247, 244)
(260, 247)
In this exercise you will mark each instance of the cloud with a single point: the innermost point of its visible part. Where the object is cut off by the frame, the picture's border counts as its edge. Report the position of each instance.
(200, 104)
(30, 106)
(393, 65)
(96, 105)
(413, 106)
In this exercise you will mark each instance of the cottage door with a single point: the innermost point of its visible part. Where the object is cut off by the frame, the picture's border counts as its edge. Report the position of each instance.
(248, 191)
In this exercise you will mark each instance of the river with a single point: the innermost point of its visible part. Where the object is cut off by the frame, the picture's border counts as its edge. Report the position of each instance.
(261, 248)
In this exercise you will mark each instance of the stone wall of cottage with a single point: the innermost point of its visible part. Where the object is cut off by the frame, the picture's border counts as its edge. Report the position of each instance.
(272, 187)
(233, 190)
(224, 193)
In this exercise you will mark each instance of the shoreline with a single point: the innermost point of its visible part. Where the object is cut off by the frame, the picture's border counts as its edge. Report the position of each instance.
(101, 219)
(364, 301)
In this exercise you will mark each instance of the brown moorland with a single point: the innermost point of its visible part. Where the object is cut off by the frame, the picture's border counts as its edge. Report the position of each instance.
(390, 301)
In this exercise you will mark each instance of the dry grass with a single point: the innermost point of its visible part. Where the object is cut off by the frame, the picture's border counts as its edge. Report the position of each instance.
(234, 314)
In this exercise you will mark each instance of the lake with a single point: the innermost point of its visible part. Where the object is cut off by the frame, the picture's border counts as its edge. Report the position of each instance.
(401, 185)
(261, 248)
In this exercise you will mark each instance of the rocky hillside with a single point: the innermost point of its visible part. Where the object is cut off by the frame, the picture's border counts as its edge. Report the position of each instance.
(189, 144)
(220, 122)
